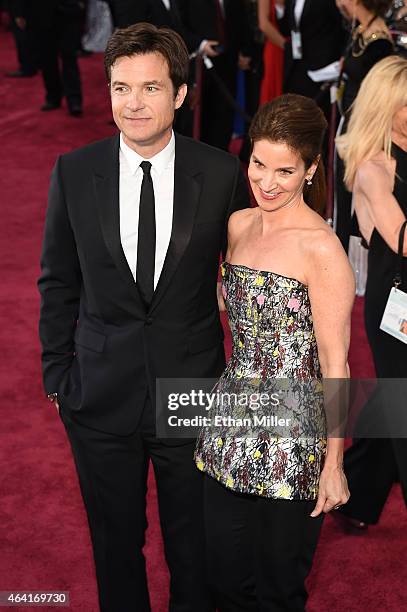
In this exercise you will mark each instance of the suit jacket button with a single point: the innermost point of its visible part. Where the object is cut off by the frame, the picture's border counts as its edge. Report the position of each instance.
(149, 321)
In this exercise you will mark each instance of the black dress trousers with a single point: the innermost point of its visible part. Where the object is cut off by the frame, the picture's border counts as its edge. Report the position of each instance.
(259, 550)
(61, 43)
(113, 474)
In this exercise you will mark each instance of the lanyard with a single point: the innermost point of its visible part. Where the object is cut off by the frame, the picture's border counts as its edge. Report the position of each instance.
(398, 279)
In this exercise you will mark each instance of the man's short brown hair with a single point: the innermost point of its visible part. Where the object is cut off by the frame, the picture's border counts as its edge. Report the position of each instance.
(143, 38)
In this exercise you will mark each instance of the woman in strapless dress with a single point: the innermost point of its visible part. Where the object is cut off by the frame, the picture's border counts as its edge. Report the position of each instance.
(288, 289)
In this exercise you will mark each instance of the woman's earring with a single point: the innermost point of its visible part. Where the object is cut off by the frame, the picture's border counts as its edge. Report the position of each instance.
(309, 181)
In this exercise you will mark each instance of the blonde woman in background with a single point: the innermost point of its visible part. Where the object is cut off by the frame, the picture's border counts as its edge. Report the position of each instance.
(374, 150)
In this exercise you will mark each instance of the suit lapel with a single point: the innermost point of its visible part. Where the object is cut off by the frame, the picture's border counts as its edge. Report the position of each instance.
(187, 190)
(306, 9)
(106, 180)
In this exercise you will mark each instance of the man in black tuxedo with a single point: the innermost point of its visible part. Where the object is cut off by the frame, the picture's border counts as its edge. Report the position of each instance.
(134, 228)
(319, 27)
(158, 12)
(125, 12)
(167, 13)
(226, 22)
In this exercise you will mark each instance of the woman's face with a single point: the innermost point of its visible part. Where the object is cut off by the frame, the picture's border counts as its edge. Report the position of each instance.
(400, 122)
(276, 174)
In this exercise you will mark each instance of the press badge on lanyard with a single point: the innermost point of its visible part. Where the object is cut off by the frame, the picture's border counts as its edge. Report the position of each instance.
(296, 42)
(394, 320)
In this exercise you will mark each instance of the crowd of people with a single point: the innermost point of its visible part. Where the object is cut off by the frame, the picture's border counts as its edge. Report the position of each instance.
(312, 68)
(281, 45)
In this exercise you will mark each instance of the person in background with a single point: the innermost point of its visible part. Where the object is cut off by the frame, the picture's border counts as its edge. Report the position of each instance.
(273, 57)
(99, 26)
(161, 13)
(253, 76)
(374, 151)
(125, 12)
(222, 25)
(26, 56)
(397, 22)
(254, 72)
(55, 26)
(370, 42)
(317, 40)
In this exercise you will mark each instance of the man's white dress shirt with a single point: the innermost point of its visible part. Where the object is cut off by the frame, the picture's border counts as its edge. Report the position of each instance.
(131, 177)
(298, 11)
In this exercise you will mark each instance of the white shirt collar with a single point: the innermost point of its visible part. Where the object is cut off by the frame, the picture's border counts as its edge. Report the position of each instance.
(298, 10)
(159, 162)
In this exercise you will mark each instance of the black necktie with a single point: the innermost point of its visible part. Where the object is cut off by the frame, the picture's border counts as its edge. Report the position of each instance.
(146, 237)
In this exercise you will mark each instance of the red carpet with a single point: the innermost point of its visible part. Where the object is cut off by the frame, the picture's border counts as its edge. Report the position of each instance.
(44, 542)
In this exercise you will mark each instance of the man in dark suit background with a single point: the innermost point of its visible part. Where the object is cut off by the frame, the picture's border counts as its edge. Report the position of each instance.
(319, 27)
(26, 53)
(226, 22)
(134, 227)
(54, 30)
(167, 13)
(125, 12)
(161, 13)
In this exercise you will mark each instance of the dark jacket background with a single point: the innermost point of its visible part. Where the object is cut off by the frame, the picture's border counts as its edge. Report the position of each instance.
(323, 39)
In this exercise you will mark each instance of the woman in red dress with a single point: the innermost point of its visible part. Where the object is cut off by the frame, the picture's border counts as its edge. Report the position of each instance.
(272, 84)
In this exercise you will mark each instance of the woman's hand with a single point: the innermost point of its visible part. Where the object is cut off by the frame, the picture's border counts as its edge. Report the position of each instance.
(333, 490)
(265, 25)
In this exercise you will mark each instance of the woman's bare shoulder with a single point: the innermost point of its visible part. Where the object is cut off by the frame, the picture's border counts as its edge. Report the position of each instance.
(320, 245)
(375, 172)
(326, 260)
(240, 219)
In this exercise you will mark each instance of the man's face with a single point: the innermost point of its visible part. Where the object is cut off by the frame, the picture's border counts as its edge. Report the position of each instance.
(144, 101)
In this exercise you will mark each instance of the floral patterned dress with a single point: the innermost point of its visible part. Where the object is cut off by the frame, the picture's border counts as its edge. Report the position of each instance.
(273, 340)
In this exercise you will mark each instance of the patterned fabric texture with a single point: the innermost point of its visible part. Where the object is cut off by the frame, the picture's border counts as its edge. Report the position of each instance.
(274, 348)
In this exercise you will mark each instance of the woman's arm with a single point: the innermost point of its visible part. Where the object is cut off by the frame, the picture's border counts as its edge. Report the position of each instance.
(235, 226)
(266, 26)
(373, 181)
(331, 286)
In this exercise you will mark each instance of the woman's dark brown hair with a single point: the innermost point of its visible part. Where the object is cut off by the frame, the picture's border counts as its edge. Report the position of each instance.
(300, 124)
(143, 38)
(377, 7)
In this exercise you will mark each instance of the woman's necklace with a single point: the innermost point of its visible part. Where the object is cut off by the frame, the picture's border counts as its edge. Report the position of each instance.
(359, 44)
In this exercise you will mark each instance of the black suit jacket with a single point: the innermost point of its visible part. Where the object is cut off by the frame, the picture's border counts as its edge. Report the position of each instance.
(322, 31)
(200, 18)
(102, 351)
(44, 14)
(154, 11)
